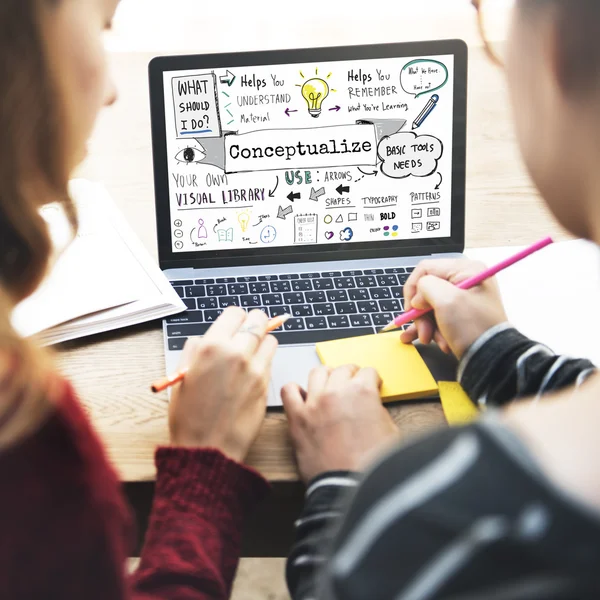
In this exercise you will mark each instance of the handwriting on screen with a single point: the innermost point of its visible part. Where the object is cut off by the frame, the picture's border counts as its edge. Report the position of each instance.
(405, 154)
(196, 107)
(306, 154)
(423, 76)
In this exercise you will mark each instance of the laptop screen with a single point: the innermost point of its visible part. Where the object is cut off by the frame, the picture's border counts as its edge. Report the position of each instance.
(309, 154)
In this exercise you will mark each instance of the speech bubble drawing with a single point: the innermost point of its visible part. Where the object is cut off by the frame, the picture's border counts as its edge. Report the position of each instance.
(423, 76)
(404, 154)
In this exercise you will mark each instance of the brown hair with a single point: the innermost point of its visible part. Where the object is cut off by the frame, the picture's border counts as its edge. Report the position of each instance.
(578, 35)
(33, 172)
(32, 160)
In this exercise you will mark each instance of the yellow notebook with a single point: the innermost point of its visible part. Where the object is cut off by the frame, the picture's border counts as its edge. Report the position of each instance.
(458, 407)
(404, 373)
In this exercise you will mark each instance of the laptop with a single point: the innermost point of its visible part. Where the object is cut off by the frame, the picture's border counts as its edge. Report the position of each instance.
(307, 181)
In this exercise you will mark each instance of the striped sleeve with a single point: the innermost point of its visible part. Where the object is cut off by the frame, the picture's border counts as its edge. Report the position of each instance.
(433, 521)
(503, 365)
(325, 500)
(349, 554)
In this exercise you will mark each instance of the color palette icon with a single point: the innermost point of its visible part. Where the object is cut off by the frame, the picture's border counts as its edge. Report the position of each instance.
(390, 231)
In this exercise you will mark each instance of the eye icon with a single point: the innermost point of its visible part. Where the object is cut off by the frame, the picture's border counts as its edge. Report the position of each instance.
(191, 154)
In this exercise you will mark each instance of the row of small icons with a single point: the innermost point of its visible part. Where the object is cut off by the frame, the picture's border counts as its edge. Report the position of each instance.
(417, 213)
(430, 226)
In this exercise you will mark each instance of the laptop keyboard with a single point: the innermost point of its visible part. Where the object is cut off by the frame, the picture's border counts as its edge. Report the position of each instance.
(324, 305)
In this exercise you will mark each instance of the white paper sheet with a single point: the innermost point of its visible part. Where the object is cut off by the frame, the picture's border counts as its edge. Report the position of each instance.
(104, 279)
(553, 296)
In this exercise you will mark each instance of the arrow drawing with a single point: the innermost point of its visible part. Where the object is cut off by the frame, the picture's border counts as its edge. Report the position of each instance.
(288, 111)
(336, 108)
(272, 192)
(365, 173)
(437, 187)
(228, 78)
(369, 172)
(340, 189)
(316, 194)
(293, 196)
(282, 213)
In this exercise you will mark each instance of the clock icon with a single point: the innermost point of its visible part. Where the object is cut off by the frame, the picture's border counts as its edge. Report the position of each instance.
(268, 234)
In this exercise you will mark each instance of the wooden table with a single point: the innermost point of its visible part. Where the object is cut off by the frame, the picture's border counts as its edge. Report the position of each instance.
(112, 371)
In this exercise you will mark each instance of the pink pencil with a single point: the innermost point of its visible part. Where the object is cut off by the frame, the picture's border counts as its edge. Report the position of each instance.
(413, 314)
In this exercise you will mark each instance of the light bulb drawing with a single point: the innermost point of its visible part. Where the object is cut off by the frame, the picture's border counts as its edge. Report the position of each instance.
(314, 91)
(244, 220)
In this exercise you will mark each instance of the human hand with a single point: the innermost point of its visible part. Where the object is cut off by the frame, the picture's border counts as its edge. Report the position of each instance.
(221, 403)
(460, 316)
(339, 423)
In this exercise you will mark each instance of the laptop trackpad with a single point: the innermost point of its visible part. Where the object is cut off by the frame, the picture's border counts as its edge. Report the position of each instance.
(291, 364)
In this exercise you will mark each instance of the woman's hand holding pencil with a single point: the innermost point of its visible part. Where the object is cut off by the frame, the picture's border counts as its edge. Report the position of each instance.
(221, 388)
(221, 399)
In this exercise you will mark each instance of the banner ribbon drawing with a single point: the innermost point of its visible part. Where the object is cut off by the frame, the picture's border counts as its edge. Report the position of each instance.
(313, 148)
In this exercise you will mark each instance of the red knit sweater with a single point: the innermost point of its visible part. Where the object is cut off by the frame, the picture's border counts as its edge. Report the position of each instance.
(66, 531)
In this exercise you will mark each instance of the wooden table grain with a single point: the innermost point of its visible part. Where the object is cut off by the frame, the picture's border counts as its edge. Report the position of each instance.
(112, 371)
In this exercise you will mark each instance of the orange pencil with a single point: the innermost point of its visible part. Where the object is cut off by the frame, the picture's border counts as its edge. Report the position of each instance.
(163, 384)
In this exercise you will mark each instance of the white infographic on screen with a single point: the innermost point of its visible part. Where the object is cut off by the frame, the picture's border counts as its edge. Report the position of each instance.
(305, 154)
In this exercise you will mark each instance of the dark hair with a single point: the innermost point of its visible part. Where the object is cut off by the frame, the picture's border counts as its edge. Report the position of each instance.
(33, 172)
(578, 23)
